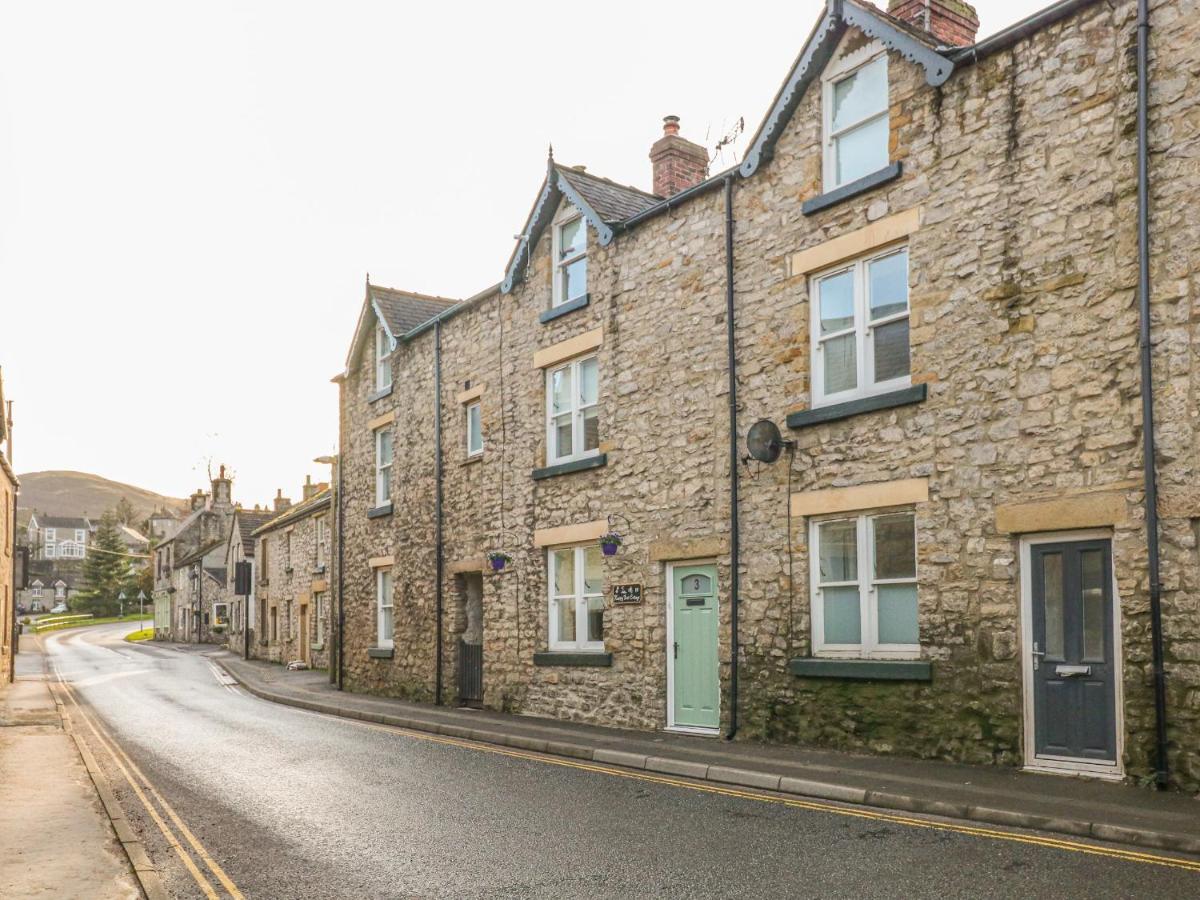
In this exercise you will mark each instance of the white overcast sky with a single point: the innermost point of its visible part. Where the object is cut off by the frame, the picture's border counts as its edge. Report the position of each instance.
(192, 193)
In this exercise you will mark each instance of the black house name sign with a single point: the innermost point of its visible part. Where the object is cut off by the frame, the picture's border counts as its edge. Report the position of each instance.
(627, 594)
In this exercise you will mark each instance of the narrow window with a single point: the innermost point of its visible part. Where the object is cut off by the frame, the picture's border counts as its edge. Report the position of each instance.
(573, 410)
(864, 586)
(570, 260)
(262, 558)
(474, 430)
(319, 613)
(860, 328)
(856, 123)
(383, 600)
(383, 466)
(576, 578)
(321, 538)
(274, 624)
(383, 358)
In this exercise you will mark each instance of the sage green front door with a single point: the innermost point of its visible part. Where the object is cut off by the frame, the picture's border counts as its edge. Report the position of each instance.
(696, 685)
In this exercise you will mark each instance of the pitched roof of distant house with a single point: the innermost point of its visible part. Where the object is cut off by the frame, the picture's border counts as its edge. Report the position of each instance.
(247, 521)
(132, 536)
(399, 311)
(60, 521)
(313, 504)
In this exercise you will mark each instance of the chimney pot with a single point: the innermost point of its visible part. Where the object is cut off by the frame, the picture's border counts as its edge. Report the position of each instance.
(953, 23)
(678, 164)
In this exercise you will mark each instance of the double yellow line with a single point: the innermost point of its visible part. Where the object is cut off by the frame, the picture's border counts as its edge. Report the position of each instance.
(795, 803)
(153, 803)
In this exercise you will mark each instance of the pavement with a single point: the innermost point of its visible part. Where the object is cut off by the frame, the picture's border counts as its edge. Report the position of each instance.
(1080, 807)
(234, 796)
(56, 837)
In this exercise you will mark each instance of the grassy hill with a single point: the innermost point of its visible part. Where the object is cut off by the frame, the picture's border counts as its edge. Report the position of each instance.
(79, 493)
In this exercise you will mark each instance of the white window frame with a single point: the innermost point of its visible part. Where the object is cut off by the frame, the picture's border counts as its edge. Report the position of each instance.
(221, 612)
(321, 537)
(579, 641)
(870, 647)
(319, 613)
(839, 71)
(565, 217)
(478, 408)
(384, 345)
(60, 591)
(383, 471)
(863, 330)
(79, 536)
(383, 580)
(577, 410)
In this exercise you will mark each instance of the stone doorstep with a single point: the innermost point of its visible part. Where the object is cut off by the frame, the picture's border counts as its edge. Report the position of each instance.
(838, 793)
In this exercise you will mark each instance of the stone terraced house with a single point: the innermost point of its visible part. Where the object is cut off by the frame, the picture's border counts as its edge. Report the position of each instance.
(925, 275)
(293, 564)
(239, 614)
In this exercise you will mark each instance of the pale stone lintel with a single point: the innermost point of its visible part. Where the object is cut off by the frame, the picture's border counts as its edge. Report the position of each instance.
(320, 585)
(669, 549)
(1063, 513)
(474, 564)
(861, 496)
(380, 421)
(471, 393)
(570, 534)
(856, 243)
(381, 562)
(581, 343)
(303, 597)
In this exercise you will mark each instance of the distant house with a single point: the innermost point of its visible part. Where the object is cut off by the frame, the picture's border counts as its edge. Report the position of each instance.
(137, 545)
(163, 524)
(59, 537)
(229, 610)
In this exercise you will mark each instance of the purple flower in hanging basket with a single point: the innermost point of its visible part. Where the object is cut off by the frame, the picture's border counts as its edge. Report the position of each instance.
(609, 542)
(499, 559)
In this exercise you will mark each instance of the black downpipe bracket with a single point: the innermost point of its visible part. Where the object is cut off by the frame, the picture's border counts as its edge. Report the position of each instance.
(734, 544)
(439, 564)
(1163, 772)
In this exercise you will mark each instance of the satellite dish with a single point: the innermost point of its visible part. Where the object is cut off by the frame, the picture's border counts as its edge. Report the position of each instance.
(764, 442)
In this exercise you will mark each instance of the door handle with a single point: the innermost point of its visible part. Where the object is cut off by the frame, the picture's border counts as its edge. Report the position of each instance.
(677, 649)
(1069, 671)
(1037, 655)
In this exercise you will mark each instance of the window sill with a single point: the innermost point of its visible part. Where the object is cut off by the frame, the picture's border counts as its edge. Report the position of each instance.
(319, 645)
(863, 669)
(472, 459)
(575, 465)
(381, 652)
(381, 393)
(550, 315)
(379, 512)
(572, 658)
(853, 189)
(890, 400)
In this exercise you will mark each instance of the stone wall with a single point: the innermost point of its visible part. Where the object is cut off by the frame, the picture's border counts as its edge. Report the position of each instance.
(289, 584)
(1023, 328)
(8, 543)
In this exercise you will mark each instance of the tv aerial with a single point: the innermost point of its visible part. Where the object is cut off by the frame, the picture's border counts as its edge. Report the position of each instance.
(764, 442)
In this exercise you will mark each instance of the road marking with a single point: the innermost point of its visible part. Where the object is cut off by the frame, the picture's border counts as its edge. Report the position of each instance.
(118, 754)
(812, 805)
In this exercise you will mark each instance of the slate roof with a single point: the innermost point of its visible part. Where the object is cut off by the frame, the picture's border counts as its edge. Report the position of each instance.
(62, 522)
(612, 202)
(404, 310)
(247, 522)
(299, 511)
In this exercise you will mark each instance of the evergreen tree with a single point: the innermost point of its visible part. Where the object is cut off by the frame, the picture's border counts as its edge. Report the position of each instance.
(105, 570)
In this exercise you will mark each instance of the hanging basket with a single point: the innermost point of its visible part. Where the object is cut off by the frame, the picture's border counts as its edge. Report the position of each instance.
(609, 543)
(498, 559)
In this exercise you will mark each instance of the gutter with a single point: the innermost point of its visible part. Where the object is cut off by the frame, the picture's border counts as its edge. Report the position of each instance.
(1162, 773)
(734, 543)
(1004, 39)
(710, 184)
(439, 553)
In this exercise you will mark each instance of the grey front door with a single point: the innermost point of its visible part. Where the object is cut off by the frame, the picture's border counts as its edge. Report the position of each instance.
(1074, 675)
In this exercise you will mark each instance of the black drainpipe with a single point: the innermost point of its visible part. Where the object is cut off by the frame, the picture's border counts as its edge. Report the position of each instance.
(734, 546)
(341, 617)
(439, 555)
(1162, 774)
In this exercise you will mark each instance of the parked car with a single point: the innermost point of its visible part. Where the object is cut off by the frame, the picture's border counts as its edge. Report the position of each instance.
(60, 608)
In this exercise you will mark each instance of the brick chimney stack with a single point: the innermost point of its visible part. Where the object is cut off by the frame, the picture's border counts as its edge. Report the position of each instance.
(309, 489)
(281, 502)
(951, 22)
(678, 163)
(199, 500)
(222, 491)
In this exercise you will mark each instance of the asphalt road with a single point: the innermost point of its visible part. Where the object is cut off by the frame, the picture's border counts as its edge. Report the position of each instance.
(289, 804)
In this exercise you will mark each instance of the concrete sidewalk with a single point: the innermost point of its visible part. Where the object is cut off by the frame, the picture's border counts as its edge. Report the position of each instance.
(56, 837)
(995, 795)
